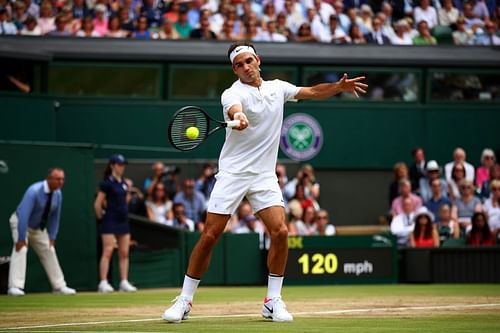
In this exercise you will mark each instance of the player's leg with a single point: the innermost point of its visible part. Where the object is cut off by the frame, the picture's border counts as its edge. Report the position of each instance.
(108, 245)
(17, 270)
(123, 262)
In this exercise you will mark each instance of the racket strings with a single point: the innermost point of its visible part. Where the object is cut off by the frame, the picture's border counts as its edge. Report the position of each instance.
(182, 121)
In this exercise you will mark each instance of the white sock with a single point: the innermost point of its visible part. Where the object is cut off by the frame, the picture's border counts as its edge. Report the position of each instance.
(189, 287)
(274, 283)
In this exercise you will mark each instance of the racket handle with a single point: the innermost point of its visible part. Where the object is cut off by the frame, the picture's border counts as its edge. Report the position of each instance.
(233, 123)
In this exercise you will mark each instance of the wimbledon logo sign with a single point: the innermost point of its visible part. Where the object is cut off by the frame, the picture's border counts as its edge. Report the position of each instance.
(301, 137)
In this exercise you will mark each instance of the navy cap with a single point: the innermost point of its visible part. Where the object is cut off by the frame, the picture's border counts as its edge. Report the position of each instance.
(117, 159)
(3, 10)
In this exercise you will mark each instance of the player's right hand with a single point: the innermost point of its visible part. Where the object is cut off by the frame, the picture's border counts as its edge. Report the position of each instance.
(20, 244)
(243, 120)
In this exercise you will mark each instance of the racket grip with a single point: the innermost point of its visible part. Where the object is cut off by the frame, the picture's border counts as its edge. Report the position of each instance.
(233, 123)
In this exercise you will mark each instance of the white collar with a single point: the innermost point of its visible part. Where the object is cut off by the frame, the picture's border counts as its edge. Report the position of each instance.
(46, 188)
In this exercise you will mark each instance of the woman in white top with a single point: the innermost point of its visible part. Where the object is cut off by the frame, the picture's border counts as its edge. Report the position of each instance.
(159, 207)
(492, 207)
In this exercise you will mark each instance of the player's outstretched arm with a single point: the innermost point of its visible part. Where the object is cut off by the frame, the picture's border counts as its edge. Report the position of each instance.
(327, 90)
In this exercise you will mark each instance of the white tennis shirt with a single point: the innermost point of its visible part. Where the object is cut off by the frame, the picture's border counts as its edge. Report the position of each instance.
(255, 149)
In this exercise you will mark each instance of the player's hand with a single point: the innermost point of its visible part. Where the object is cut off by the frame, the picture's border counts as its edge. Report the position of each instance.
(20, 244)
(353, 85)
(243, 120)
(52, 242)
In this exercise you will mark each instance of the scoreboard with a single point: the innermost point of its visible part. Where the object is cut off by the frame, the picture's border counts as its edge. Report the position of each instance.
(342, 259)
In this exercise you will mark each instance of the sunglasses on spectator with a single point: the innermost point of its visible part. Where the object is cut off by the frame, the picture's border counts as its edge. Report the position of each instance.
(465, 187)
(495, 189)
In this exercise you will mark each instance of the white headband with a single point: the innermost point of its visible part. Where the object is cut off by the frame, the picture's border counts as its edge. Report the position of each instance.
(241, 49)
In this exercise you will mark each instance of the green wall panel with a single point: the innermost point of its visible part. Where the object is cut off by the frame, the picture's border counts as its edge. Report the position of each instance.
(215, 274)
(244, 262)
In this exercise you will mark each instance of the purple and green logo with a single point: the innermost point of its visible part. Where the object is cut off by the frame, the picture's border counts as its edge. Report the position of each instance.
(301, 137)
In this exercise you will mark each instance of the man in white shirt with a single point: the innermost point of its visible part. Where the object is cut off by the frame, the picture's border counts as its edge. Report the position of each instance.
(402, 225)
(6, 27)
(459, 158)
(247, 169)
(427, 13)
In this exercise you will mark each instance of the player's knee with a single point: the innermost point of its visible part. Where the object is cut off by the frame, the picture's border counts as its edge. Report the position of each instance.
(209, 239)
(279, 233)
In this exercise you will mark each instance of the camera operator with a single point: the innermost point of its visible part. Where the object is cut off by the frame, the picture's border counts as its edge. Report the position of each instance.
(167, 175)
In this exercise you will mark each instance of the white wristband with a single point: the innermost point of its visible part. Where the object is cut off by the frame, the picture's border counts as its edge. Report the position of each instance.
(234, 115)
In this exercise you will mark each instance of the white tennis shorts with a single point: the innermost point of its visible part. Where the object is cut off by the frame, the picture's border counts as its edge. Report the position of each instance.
(261, 190)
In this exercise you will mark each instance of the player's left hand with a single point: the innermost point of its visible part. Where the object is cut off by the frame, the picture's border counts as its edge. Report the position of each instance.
(353, 85)
(52, 242)
(243, 120)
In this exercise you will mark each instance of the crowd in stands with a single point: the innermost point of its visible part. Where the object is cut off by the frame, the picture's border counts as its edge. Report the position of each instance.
(168, 200)
(404, 22)
(432, 206)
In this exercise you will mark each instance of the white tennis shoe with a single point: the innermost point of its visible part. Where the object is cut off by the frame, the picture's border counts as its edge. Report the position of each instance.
(127, 286)
(275, 309)
(105, 287)
(179, 311)
(65, 291)
(13, 291)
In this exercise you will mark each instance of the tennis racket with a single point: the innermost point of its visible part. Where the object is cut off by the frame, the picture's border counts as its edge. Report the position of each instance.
(193, 116)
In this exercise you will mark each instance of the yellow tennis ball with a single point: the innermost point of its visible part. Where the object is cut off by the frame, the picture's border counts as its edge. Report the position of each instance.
(192, 133)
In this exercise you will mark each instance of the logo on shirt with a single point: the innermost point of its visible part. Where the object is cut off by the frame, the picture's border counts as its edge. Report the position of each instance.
(301, 137)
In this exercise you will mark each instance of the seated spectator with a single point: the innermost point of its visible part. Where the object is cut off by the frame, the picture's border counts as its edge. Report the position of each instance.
(324, 10)
(448, 14)
(227, 31)
(295, 212)
(282, 26)
(425, 12)
(458, 174)
(33, 9)
(386, 27)
(399, 171)
(244, 210)
(251, 224)
(488, 159)
(271, 34)
(194, 202)
(446, 225)
(465, 206)
(251, 32)
(87, 29)
(205, 183)
(344, 21)
(425, 233)
(46, 21)
(301, 198)
(402, 225)
(142, 32)
(337, 35)
(376, 36)
(437, 198)
(60, 30)
(19, 15)
(31, 27)
(126, 22)
(153, 10)
(182, 26)
(459, 156)
(356, 36)
(294, 15)
(432, 173)
(167, 31)
(323, 225)
(159, 206)
(304, 34)
(405, 192)
(318, 30)
(480, 233)
(402, 35)
(306, 226)
(135, 199)
(364, 19)
(180, 220)
(463, 35)
(424, 35)
(471, 20)
(417, 169)
(203, 32)
(492, 208)
(114, 29)
(80, 9)
(101, 19)
(489, 36)
(167, 175)
(494, 174)
(480, 10)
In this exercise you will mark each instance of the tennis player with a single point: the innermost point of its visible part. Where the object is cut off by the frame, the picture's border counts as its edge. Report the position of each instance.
(247, 169)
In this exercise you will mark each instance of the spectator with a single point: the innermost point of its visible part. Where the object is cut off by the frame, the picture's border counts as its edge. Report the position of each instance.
(204, 31)
(405, 192)
(323, 225)
(463, 35)
(364, 20)
(492, 208)
(238, 219)
(437, 198)
(194, 202)
(101, 19)
(459, 157)
(471, 20)
(494, 174)
(167, 31)
(294, 15)
(282, 177)
(446, 225)
(425, 233)
(114, 28)
(87, 28)
(205, 183)
(295, 212)
(60, 30)
(111, 210)
(304, 34)
(402, 225)
(399, 171)
(480, 10)
(269, 13)
(376, 36)
(31, 27)
(488, 159)
(433, 172)
(46, 21)
(153, 13)
(227, 31)
(126, 21)
(282, 27)
(135, 199)
(318, 30)
(180, 220)
(32, 9)
(166, 175)
(307, 226)
(356, 36)
(424, 35)
(271, 34)
(480, 233)
(457, 175)
(142, 32)
(251, 32)
(386, 28)
(19, 15)
(490, 36)
(36, 221)
(79, 9)
(344, 21)
(417, 169)
(426, 13)
(448, 14)
(182, 25)
(402, 35)
(159, 207)
(337, 35)
(465, 206)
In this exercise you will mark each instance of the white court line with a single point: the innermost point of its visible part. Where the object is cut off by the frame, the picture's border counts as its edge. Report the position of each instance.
(313, 313)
